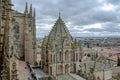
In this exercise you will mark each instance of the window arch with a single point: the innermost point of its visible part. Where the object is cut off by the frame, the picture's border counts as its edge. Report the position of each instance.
(60, 56)
(66, 55)
(16, 27)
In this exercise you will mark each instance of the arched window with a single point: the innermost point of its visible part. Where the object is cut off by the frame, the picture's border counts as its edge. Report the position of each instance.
(54, 58)
(50, 58)
(66, 55)
(60, 56)
(76, 56)
(30, 27)
(72, 55)
(66, 42)
(16, 27)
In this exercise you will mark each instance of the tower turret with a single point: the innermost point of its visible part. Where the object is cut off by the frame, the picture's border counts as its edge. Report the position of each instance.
(30, 13)
(34, 32)
(34, 13)
(26, 9)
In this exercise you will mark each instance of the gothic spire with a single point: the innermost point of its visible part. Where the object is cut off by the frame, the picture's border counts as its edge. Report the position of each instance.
(26, 8)
(34, 13)
(34, 27)
(30, 13)
(59, 15)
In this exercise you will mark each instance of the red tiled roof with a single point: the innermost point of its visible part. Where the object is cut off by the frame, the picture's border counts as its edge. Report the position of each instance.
(108, 51)
(113, 58)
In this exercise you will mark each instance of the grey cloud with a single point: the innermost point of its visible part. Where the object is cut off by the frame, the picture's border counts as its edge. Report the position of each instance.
(107, 27)
(76, 12)
(115, 2)
(94, 30)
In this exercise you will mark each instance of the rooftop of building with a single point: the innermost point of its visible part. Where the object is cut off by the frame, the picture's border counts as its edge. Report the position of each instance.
(96, 65)
(70, 76)
(39, 73)
(113, 58)
(59, 36)
(106, 50)
(59, 33)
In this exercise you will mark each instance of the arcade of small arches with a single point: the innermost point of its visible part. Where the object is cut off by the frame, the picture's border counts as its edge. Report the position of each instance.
(64, 63)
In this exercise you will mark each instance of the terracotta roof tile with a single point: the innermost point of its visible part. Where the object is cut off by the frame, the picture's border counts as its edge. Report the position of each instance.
(113, 58)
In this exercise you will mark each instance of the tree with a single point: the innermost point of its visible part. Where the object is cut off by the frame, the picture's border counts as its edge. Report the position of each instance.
(118, 61)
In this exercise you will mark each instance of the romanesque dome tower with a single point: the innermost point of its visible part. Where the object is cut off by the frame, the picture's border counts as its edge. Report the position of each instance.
(60, 53)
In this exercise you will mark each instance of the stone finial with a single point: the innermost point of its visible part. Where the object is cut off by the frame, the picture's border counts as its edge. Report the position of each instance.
(34, 13)
(30, 13)
(26, 8)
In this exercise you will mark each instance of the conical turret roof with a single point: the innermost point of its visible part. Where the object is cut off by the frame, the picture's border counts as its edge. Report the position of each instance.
(59, 33)
(59, 30)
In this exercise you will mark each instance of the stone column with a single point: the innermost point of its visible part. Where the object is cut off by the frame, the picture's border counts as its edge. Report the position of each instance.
(78, 57)
(63, 57)
(75, 56)
(49, 70)
(69, 68)
(63, 68)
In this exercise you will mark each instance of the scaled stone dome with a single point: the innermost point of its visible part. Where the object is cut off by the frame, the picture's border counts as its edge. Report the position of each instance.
(59, 34)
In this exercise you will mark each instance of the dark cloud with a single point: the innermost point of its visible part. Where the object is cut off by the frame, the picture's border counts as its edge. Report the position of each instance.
(77, 14)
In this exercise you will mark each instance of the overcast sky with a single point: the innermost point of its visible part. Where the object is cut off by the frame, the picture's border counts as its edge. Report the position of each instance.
(84, 18)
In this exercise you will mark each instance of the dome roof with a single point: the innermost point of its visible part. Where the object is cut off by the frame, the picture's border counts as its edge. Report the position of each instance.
(59, 32)
(59, 37)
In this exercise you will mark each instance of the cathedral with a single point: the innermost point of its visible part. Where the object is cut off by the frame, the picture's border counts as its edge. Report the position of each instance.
(17, 39)
(58, 56)
(60, 52)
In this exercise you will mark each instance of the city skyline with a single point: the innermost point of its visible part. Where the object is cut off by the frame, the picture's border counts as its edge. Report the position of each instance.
(84, 18)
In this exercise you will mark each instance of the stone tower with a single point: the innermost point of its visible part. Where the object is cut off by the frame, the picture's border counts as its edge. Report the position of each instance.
(60, 53)
(25, 29)
(30, 36)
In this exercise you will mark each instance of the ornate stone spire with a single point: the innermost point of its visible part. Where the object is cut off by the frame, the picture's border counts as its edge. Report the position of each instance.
(26, 8)
(34, 13)
(34, 28)
(59, 15)
(30, 13)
